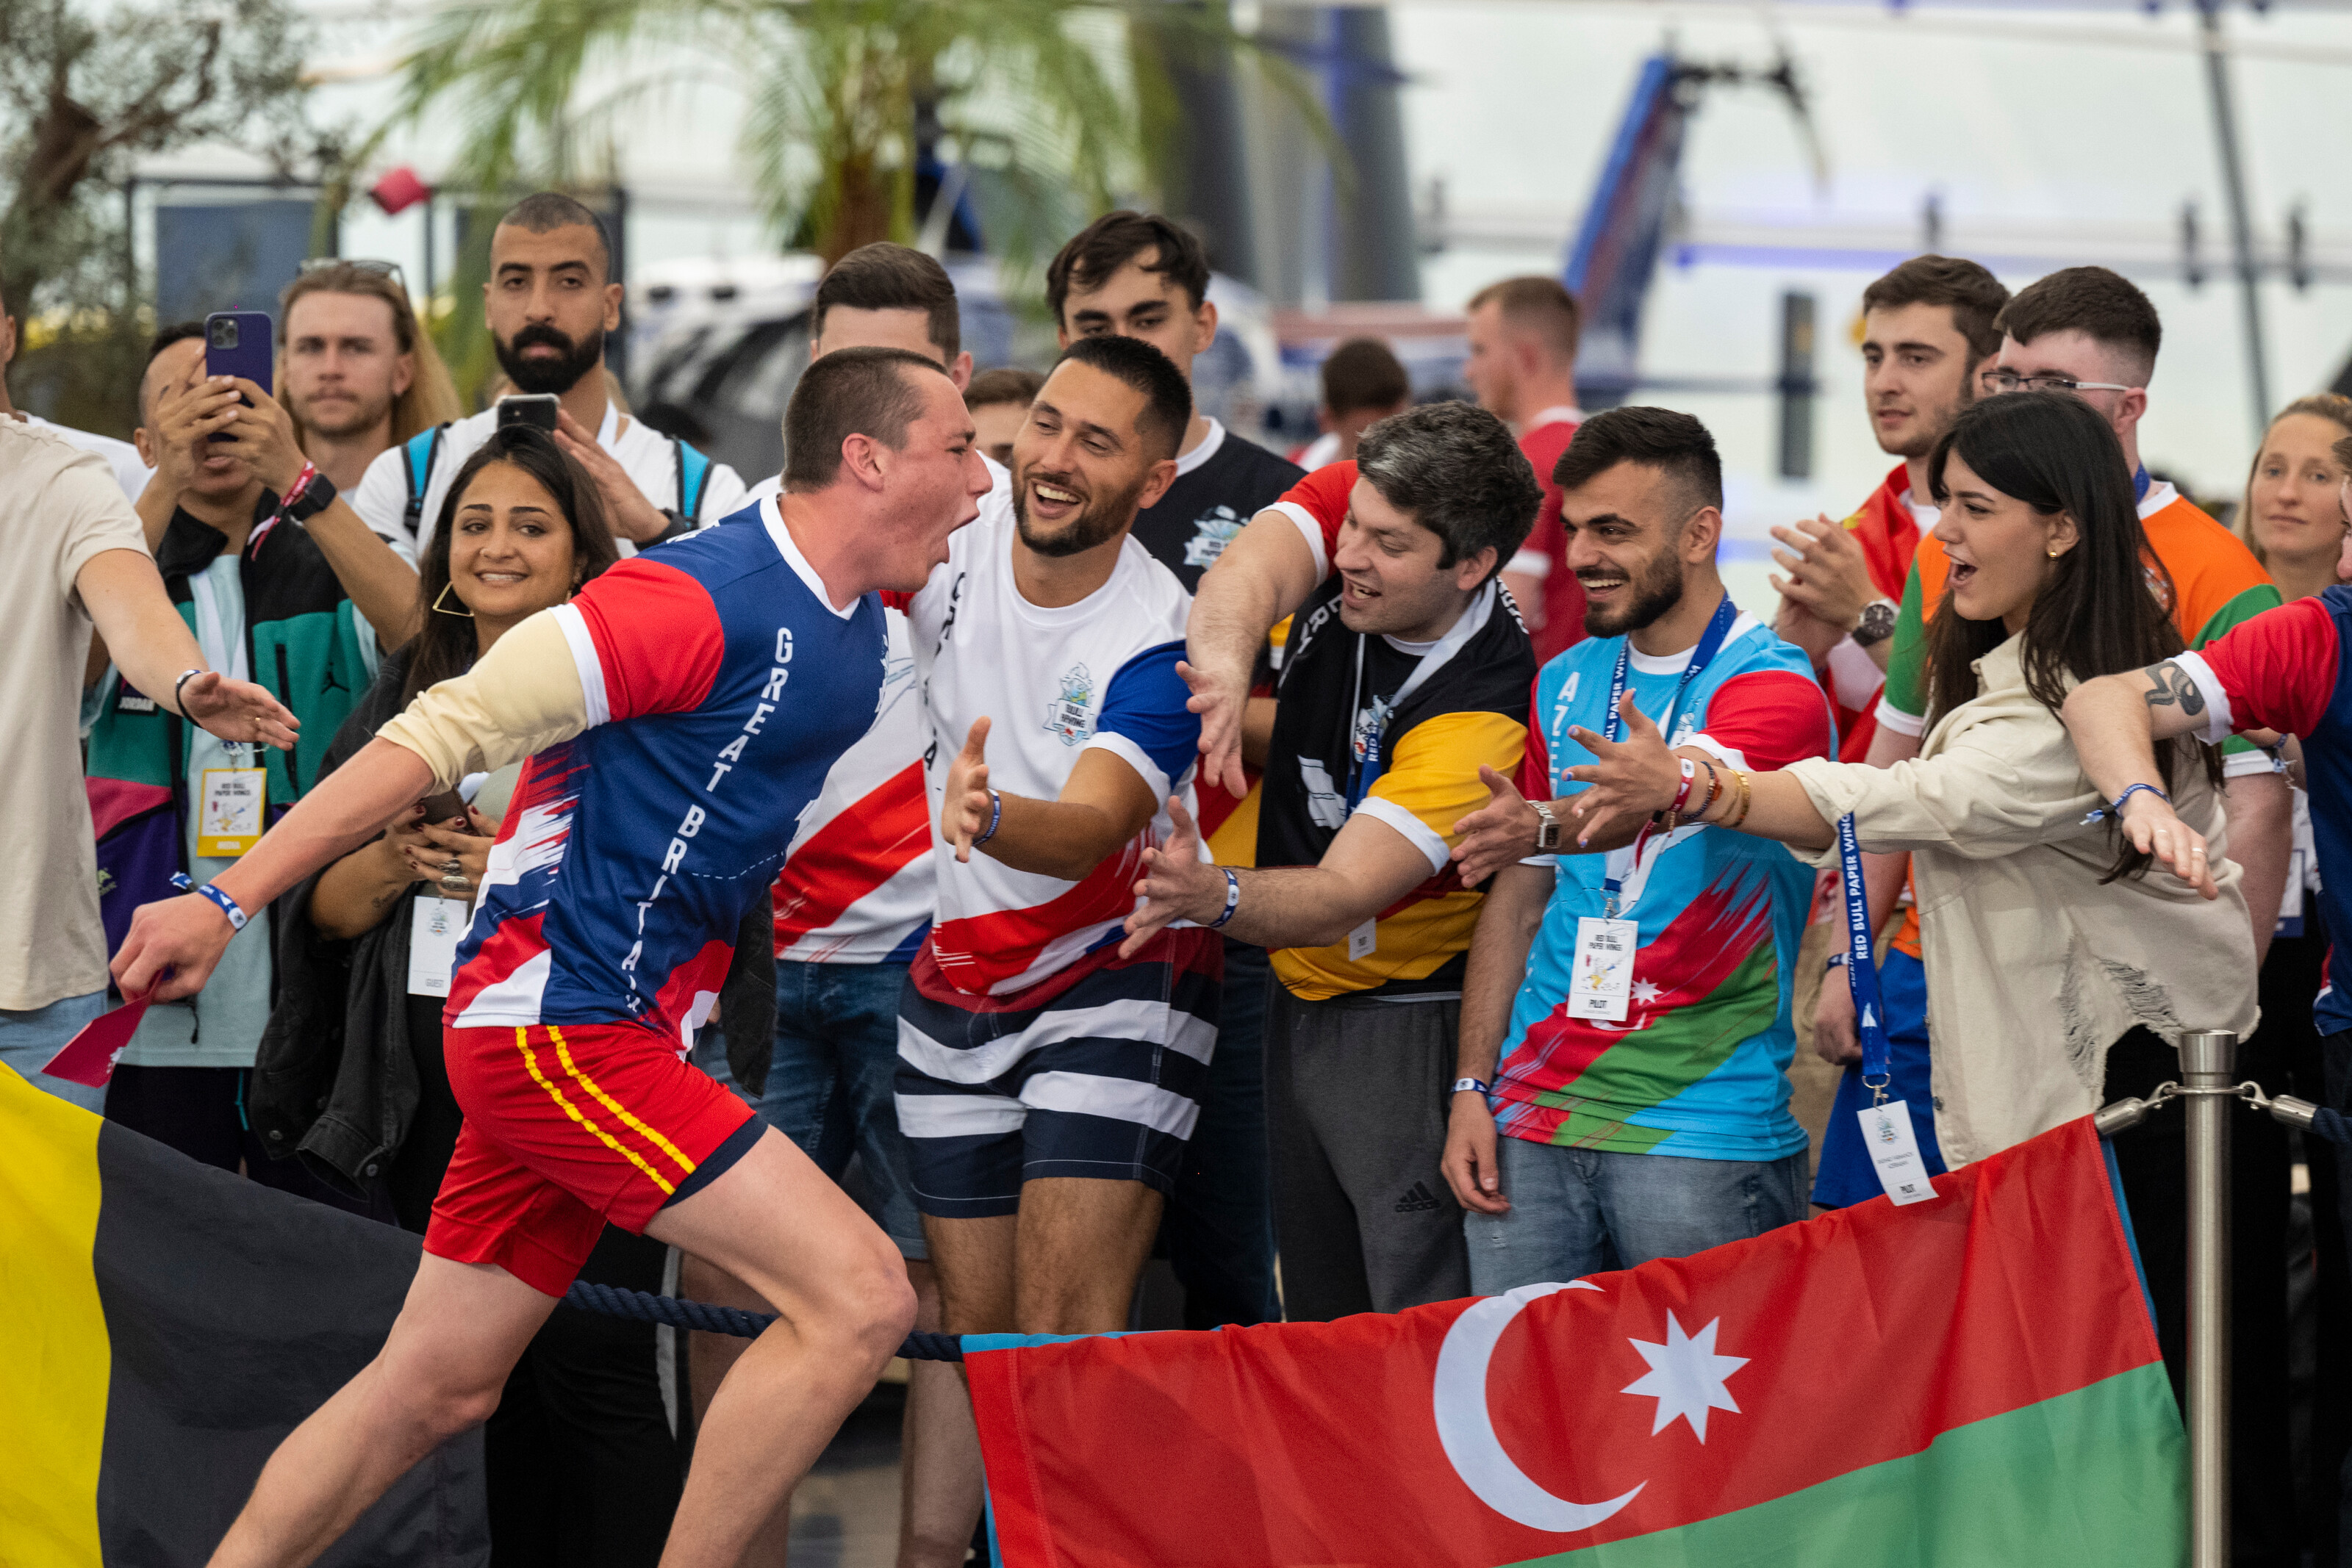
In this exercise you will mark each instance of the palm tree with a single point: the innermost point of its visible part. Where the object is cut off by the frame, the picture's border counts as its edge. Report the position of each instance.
(843, 98)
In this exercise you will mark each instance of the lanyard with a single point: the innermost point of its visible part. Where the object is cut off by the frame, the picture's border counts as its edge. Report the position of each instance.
(1709, 645)
(1364, 754)
(2141, 482)
(1859, 972)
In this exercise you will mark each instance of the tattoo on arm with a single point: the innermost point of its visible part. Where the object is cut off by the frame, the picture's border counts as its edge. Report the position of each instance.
(2173, 685)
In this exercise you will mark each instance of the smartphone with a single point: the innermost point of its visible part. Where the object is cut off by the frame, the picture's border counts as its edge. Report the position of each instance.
(537, 410)
(444, 808)
(240, 343)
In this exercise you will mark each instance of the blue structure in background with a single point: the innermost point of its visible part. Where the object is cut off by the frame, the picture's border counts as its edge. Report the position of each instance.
(227, 256)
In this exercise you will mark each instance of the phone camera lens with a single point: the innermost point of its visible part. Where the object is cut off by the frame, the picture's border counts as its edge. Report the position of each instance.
(224, 334)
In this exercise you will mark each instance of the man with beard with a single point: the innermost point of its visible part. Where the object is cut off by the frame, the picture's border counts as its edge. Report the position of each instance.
(1623, 1089)
(549, 303)
(1405, 671)
(1047, 1080)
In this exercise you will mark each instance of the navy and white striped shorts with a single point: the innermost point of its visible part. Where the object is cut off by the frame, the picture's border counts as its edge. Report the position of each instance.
(1095, 1072)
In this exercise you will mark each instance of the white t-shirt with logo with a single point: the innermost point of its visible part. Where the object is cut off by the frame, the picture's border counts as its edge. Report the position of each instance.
(1099, 675)
(648, 457)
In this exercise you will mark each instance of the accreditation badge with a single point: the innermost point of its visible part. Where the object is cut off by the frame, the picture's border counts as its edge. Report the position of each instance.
(1603, 982)
(230, 811)
(434, 932)
(1894, 1148)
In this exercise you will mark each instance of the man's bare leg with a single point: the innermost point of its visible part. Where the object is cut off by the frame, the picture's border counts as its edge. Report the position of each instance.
(940, 1473)
(778, 1224)
(709, 1358)
(1082, 1250)
(459, 1333)
(973, 1262)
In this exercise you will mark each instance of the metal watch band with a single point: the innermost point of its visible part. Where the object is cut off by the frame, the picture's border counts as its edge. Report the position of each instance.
(1548, 829)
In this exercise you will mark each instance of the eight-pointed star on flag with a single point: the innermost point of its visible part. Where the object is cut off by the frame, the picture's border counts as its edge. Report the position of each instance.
(1685, 1376)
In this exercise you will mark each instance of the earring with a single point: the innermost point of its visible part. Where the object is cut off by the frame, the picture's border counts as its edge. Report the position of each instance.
(2054, 555)
(437, 610)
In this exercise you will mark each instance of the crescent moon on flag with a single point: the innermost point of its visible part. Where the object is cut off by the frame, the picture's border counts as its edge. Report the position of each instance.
(1466, 1427)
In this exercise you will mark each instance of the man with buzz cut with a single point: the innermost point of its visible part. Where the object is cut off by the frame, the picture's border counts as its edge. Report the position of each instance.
(1140, 275)
(1404, 672)
(673, 720)
(550, 302)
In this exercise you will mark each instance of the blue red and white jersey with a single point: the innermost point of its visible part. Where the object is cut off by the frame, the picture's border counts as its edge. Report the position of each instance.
(720, 687)
(1096, 676)
(859, 886)
(2286, 670)
(1699, 1066)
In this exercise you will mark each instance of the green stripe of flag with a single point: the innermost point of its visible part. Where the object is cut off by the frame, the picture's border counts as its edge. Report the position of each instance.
(2063, 1483)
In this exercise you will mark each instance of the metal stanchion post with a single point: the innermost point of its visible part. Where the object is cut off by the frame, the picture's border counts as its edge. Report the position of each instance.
(2208, 1058)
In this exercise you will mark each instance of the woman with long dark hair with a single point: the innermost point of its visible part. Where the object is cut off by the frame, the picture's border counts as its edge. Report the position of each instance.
(2047, 945)
(582, 1462)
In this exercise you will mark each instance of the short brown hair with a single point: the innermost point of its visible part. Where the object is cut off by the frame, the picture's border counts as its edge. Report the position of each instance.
(1973, 295)
(1541, 307)
(431, 398)
(850, 392)
(1362, 373)
(1113, 240)
(1005, 383)
(2105, 307)
(886, 277)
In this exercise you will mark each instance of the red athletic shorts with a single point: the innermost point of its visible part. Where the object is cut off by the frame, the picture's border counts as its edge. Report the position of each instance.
(567, 1126)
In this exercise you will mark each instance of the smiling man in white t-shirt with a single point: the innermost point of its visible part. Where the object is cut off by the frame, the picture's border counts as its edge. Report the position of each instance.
(549, 304)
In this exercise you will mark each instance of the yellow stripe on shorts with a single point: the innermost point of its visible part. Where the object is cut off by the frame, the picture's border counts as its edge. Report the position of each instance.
(530, 1059)
(564, 1054)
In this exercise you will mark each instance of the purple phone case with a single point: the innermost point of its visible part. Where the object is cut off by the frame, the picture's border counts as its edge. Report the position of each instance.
(255, 350)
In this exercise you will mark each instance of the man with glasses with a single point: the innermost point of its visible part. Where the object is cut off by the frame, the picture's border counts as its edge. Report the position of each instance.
(354, 373)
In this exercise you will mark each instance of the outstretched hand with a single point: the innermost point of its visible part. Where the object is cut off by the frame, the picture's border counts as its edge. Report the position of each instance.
(1498, 833)
(238, 711)
(171, 947)
(965, 807)
(1177, 883)
(1631, 779)
(2153, 828)
(1221, 701)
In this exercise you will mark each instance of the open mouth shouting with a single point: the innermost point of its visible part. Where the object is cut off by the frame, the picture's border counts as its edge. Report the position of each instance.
(1962, 573)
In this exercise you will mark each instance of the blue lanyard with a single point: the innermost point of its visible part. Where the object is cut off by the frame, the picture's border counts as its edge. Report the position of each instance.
(2141, 483)
(1859, 972)
(1718, 627)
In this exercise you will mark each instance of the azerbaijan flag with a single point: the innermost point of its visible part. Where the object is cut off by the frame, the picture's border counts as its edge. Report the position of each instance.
(1970, 1381)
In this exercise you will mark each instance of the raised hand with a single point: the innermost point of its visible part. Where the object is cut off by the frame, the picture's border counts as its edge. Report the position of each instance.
(1221, 701)
(633, 517)
(2153, 828)
(1828, 574)
(1630, 778)
(264, 434)
(238, 711)
(1498, 833)
(1177, 883)
(965, 807)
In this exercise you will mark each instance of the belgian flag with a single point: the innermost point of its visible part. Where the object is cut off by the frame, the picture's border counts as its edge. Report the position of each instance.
(162, 1326)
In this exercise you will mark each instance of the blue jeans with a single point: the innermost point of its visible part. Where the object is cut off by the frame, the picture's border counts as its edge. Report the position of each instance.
(1846, 1175)
(829, 1083)
(1577, 1211)
(28, 1040)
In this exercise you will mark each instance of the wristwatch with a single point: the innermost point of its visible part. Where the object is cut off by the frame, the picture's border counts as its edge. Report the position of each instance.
(1878, 624)
(312, 499)
(677, 525)
(1548, 834)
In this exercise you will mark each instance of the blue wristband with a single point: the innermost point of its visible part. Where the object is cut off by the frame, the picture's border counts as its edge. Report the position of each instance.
(2115, 807)
(995, 816)
(229, 906)
(1233, 898)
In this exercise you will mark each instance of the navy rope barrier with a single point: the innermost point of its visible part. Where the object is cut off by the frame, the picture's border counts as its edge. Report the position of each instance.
(2331, 1125)
(615, 1302)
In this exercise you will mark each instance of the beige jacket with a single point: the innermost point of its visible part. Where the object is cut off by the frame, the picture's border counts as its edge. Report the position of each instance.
(2033, 968)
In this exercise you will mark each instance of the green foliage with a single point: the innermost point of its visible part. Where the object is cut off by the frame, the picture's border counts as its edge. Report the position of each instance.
(83, 90)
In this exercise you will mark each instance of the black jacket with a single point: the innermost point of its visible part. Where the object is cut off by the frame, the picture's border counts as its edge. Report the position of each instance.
(335, 1082)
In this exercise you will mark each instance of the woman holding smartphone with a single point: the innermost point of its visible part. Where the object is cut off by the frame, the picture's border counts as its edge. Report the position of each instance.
(584, 1467)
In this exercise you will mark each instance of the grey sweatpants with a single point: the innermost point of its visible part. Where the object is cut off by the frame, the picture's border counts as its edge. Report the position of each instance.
(1356, 1112)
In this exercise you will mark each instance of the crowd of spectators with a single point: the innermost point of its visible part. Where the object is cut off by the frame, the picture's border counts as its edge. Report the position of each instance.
(1361, 879)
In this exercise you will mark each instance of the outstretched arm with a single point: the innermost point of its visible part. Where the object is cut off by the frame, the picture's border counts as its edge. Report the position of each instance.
(1637, 775)
(1265, 572)
(2115, 722)
(1104, 804)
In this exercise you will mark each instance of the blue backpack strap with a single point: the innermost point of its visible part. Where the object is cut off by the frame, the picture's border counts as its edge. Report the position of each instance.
(421, 450)
(693, 478)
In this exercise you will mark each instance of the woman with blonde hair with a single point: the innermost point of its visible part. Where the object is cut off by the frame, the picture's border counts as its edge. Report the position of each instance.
(355, 372)
(2291, 517)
